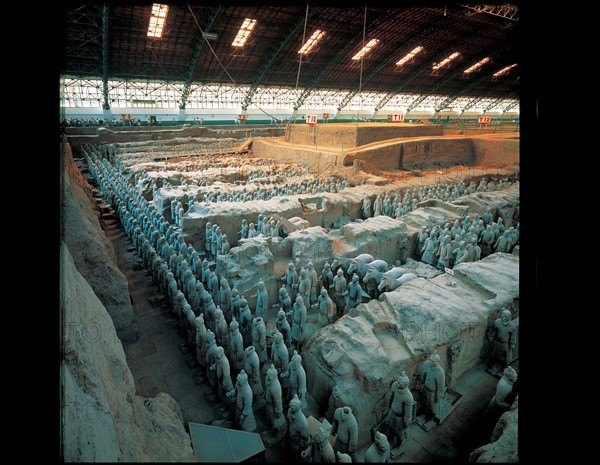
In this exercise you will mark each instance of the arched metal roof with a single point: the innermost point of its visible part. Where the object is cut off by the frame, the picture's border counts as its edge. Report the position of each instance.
(110, 41)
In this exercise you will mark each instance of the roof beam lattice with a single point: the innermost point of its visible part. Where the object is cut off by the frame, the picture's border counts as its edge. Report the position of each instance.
(386, 98)
(213, 14)
(85, 48)
(392, 58)
(269, 60)
(506, 11)
(105, 57)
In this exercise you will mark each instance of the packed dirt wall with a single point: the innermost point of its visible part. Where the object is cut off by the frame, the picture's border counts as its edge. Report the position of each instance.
(102, 418)
(397, 154)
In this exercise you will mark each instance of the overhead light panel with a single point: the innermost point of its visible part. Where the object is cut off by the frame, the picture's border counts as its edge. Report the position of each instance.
(158, 17)
(244, 32)
(312, 41)
(446, 61)
(477, 65)
(504, 70)
(366, 49)
(410, 55)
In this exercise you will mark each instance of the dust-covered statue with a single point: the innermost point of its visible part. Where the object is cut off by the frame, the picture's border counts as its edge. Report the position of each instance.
(320, 450)
(433, 386)
(244, 416)
(345, 430)
(379, 451)
(503, 396)
(503, 338)
(274, 405)
(298, 435)
(401, 411)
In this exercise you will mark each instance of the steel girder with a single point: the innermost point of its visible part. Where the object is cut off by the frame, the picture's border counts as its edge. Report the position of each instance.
(105, 57)
(512, 105)
(272, 54)
(506, 11)
(91, 18)
(409, 45)
(213, 14)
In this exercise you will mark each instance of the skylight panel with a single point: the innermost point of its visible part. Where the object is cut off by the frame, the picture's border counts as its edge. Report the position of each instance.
(312, 41)
(477, 65)
(410, 55)
(445, 61)
(366, 49)
(244, 32)
(158, 17)
(504, 70)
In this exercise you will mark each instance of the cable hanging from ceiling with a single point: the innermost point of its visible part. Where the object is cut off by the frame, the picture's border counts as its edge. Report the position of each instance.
(303, 41)
(361, 65)
(235, 84)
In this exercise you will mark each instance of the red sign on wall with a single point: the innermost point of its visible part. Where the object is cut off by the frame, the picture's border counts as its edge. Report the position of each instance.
(242, 117)
(398, 118)
(484, 120)
(311, 120)
(325, 115)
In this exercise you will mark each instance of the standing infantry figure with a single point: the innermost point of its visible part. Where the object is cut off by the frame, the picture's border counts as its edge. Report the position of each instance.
(500, 402)
(201, 342)
(401, 411)
(259, 339)
(221, 367)
(225, 300)
(198, 303)
(209, 311)
(284, 328)
(378, 206)
(244, 416)
(245, 321)
(354, 292)
(339, 289)
(205, 273)
(211, 360)
(172, 289)
(366, 208)
(379, 451)
(244, 231)
(285, 301)
(326, 309)
(222, 331)
(298, 435)
(281, 359)
(274, 404)
(291, 280)
(225, 247)
(504, 339)
(444, 252)
(299, 316)
(429, 250)
(213, 287)
(345, 429)
(252, 368)
(504, 242)
(433, 381)
(235, 303)
(237, 355)
(327, 277)
(486, 240)
(262, 300)
(312, 276)
(320, 450)
(297, 377)
(304, 287)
